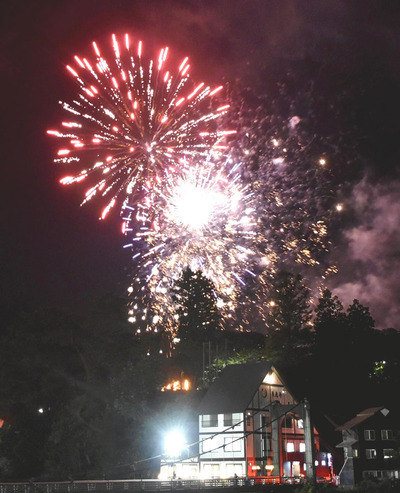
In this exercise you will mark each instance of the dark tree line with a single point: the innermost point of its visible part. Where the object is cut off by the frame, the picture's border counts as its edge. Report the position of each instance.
(334, 356)
(80, 396)
(74, 395)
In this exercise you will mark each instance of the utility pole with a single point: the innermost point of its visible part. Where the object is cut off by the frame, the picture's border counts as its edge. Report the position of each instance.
(309, 442)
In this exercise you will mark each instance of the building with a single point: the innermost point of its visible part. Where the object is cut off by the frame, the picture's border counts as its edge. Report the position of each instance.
(250, 425)
(369, 444)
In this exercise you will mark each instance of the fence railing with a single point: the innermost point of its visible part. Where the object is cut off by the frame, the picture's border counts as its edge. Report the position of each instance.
(126, 485)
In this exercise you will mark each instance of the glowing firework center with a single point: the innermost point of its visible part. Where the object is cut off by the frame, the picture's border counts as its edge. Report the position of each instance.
(194, 206)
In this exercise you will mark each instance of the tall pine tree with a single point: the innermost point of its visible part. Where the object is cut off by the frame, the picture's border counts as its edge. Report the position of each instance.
(199, 321)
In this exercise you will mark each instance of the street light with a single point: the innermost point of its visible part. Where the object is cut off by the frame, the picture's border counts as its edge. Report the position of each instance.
(174, 443)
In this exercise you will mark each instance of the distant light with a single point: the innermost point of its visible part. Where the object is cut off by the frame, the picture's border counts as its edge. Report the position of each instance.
(339, 207)
(41, 410)
(322, 161)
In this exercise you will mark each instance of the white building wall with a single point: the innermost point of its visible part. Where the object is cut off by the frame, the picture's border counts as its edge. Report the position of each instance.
(222, 447)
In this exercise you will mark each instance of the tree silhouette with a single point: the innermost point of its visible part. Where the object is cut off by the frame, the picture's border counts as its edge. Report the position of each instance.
(199, 320)
(288, 315)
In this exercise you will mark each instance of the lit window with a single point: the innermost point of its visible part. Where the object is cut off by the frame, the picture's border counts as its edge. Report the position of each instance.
(388, 453)
(323, 462)
(300, 424)
(369, 434)
(355, 452)
(316, 463)
(302, 447)
(290, 447)
(209, 420)
(387, 434)
(370, 453)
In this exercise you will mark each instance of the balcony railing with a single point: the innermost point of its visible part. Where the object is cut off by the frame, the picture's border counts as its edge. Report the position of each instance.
(126, 485)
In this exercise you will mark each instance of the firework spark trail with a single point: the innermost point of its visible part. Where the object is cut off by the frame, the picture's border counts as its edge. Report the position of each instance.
(204, 220)
(135, 123)
(289, 170)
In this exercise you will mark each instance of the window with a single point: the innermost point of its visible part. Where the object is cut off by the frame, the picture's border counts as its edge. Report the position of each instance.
(355, 452)
(287, 422)
(300, 424)
(323, 462)
(232, 419)
(209, 420)
(316, 463)
(387, 434)
(232, 444)
(388, 453)
(370, 453)
(290, 447)
(302, 447)
(266, 446)
(264, 421)
(211, 470)
(369, 434)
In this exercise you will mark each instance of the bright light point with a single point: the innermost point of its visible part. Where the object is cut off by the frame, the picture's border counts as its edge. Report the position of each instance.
(41, 410)
(339, 207)
(130, 289)
(63, 152)
(322, 161)
(174, 443)
(194, 206)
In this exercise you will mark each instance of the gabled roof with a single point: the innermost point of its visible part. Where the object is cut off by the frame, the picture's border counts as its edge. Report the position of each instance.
(360, 417)
(234, 388)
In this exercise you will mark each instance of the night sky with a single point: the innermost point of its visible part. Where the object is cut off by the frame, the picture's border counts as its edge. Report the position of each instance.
(55, 252)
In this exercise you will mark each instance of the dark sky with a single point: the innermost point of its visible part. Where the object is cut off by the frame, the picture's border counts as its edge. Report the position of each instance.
(54, 251)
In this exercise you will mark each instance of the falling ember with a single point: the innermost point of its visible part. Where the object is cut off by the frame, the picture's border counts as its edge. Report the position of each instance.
(203, 220)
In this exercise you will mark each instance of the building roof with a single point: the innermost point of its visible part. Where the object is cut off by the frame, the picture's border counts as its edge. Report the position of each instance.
(359, 418)
(234, 389)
